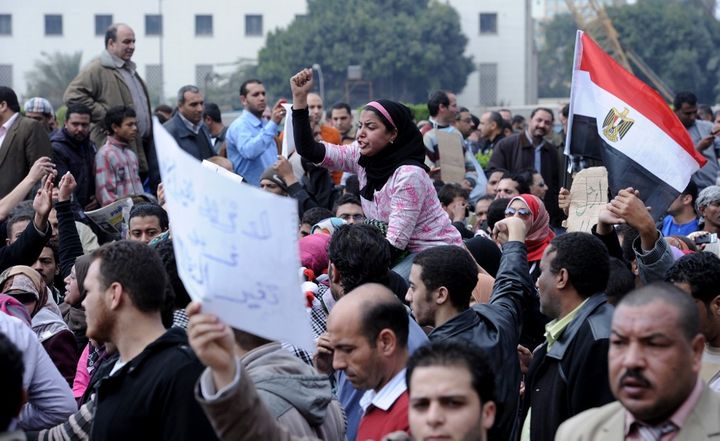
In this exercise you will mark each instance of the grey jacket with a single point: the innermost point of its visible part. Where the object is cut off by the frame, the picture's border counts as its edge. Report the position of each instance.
(293, 393)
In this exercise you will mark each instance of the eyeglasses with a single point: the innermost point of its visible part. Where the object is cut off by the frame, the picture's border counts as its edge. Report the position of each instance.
(523, 212)
(355, 217)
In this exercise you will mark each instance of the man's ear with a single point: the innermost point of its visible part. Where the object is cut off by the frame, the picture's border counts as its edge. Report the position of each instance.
(333, 273)
(563, 279)
(386, 342)
(116, 295)
(442, 296)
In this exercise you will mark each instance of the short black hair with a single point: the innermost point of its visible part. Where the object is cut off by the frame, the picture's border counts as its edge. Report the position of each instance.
(691, 190)
(244, 85)
(165, 250)
(496, 118)
(12, 370)
(212, 111)
(435, 100)
(588, 271)
(684, 97)
(544, 109)
(150, 209)
(452, 267)
(346, 199)
(524, 180)
(315, 215)
(55, 248)
(701, 271)
(138, 268)
(116, 115)
(449, 192)
(352, 185)
(77, 108)
(565, 111)
(456, 353)
(629, 234)
(385, 314)
(16, 218)
(620, 281)
(8, 96)
(341, 105)
(361, 254)
(496, 211)
(688, 317)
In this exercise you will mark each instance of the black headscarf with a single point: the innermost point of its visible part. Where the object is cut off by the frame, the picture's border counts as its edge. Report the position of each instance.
(407, 149)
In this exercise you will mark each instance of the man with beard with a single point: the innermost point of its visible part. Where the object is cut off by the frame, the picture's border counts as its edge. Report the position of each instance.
(654, 361)
(74, 151)
(148, 394)
(529, 150)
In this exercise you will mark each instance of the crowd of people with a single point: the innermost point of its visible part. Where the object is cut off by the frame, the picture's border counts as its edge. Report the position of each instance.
(440, 310)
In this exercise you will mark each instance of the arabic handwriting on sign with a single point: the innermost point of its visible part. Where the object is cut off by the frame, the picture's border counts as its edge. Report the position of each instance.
(593, 197)
(259, 228)
(223, 220)
(231, 259)
(264, 295)
(194, 265)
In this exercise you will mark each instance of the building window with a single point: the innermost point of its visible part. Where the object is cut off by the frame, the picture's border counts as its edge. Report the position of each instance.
(488, 23)
(6, 77)
(203, 25)
(102, 23)
(204, 75)
(153, 24)
(253, 26)
(53, 24)
(5, 24)
(488, 83)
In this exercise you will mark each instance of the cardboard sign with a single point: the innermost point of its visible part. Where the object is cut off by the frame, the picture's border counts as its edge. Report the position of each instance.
(235, 246)
(452, 158)
(589, 192)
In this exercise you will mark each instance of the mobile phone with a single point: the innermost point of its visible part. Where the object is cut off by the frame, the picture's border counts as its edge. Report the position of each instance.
(707, 238)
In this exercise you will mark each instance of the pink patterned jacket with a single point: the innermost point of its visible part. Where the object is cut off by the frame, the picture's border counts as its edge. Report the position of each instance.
(408, 202)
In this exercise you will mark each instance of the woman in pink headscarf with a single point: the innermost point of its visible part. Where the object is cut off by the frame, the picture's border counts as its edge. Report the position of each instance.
(532, 211)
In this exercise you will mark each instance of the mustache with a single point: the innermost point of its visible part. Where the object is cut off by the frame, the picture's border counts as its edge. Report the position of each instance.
(637, 376)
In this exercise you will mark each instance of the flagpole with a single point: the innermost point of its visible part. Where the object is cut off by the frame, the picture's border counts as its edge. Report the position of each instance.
(568, 135)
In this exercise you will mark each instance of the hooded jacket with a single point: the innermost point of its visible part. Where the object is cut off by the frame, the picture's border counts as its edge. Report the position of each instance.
(297, 397)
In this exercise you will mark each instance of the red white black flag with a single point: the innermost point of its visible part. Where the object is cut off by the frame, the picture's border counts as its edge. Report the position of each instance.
(616, 118)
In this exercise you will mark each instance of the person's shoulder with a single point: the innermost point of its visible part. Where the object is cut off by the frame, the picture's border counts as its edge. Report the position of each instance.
(589, 423)
(508, 141)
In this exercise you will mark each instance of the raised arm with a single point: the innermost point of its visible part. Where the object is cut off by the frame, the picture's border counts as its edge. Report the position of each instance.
(42, 167)
(301, 84)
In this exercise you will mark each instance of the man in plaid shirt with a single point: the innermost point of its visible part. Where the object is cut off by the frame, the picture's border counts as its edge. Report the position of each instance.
(116, 165)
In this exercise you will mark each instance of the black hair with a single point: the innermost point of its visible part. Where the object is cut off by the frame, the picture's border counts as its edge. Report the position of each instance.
(516, 119)
(163, 108)
(435, 100)
(167, 256)
(688, 317)
(524, 180)
(691, 190)
(449, 192)
(544, 109)
(496, 118)
(589, 270)
(475, 121)
(8, 95)
(385, 314)
(452, 267)
(138, 268)
(388, 126)
(701, 271)
(116, 115)
(14, 219)
(244, 85)
(150, 209)
(620, 281)
(54, 247)
(346, 199)
(360, 254)
(684, 97)
(315, 215)
(11, 371)
(456, 353)
(341, 105)
(496, 211)
(212, 111)
(629, 234)
(352, 185)
(77, 108)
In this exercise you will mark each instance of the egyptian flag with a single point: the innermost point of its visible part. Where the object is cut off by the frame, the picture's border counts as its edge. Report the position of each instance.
(619, 120)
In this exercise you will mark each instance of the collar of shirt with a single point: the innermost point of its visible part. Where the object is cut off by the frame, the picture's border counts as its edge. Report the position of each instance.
(9, 123)
(116, 142)
(555, 328)
(681, 414)
(192, 127)
(120, 63)
(252, 119)
(532, 143)
(385, 397)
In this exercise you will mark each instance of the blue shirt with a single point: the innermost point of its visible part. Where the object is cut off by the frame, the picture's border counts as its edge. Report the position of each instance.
(251, 146)
(670, 228)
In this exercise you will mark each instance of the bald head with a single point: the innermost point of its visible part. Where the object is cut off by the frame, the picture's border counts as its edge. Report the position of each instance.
(315, 107)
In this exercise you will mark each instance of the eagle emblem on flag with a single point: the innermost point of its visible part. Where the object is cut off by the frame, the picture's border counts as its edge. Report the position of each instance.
(617, 124)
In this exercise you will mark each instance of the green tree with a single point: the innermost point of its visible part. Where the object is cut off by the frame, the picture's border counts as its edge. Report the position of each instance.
(52, 74)
(677, 39)
(406, 48)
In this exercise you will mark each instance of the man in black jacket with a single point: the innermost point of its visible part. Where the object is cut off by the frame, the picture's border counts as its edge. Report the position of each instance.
(187, 126)
(148, 394)
(441, 282)
(569, 372)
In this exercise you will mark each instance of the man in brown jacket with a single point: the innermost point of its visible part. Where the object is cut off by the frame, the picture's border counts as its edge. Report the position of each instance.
(22, 142)
(112, 80)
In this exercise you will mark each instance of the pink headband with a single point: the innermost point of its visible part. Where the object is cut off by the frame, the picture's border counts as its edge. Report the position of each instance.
(382, 110)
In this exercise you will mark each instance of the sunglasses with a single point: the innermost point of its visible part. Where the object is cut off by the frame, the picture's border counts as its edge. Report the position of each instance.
(524, 212)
